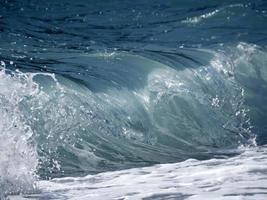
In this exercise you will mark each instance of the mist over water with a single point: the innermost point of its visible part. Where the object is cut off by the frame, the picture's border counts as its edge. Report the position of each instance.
(90, 87)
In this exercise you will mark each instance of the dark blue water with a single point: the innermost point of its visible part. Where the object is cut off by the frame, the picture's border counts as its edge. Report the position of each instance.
(108, 85)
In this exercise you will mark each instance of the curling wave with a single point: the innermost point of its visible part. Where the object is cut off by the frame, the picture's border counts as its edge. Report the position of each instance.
(128, 110)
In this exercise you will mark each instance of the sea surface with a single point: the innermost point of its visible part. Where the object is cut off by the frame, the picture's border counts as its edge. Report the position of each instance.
(154, 99)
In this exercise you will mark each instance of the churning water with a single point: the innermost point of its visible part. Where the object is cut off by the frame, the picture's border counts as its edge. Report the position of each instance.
(133, 99)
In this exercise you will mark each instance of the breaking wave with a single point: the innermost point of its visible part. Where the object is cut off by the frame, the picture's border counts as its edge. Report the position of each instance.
(125, 110)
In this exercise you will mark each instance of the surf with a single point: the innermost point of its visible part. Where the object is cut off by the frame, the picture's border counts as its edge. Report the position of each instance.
(133, 111)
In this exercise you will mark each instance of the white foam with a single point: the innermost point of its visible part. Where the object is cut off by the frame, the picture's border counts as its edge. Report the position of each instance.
(200, 18)
(240, 177)
(197, 19)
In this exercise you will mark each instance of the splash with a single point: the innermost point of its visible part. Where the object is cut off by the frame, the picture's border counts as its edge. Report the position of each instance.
(18, 152)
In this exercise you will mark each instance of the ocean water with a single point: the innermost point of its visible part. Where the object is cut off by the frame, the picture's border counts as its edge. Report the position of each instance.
(133, 99)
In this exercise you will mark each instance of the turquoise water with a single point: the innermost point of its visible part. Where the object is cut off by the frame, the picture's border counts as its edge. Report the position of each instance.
(89, 87)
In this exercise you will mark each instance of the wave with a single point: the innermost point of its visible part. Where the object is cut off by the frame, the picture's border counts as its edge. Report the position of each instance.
(121, 110)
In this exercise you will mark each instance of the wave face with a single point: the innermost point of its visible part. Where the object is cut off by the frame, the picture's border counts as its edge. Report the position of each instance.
(89, 87)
